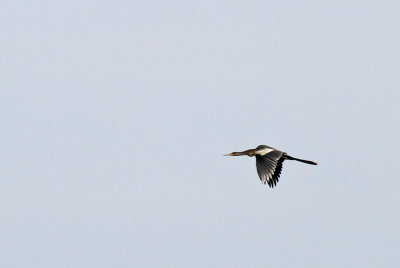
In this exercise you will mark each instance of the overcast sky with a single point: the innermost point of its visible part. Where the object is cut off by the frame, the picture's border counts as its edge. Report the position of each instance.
(115, 116)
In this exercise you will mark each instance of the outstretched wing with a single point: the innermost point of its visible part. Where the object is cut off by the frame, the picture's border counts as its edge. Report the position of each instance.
(269, 167)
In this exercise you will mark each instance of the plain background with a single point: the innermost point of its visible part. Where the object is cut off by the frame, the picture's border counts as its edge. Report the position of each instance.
(115, 116)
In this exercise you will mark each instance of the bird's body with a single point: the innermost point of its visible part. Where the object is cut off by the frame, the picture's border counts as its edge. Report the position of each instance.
(269, 162)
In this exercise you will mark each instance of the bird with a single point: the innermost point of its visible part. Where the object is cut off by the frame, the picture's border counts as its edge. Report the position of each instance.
(269, 162)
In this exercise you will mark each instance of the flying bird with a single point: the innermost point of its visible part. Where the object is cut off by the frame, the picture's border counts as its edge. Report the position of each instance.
(269, 162)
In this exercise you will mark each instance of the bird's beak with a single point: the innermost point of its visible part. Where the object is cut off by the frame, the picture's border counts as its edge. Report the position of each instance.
(231, 154)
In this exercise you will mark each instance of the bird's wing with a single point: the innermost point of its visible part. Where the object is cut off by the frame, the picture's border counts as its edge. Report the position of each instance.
(269, 167)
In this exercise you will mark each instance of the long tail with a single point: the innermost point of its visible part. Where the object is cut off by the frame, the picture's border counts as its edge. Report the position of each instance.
(300, 160)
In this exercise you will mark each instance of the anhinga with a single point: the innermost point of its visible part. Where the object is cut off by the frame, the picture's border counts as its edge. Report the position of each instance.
(269, 162)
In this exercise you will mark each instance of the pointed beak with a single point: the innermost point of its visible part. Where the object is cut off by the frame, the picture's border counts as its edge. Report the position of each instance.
(228, 154)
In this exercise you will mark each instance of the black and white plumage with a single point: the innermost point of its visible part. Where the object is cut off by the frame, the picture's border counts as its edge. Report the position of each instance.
(269, 162)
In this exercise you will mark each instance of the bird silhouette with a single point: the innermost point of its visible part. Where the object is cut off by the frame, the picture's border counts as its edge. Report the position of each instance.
(269, 162)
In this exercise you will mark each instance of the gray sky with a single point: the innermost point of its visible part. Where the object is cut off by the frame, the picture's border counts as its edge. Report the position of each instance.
(115, 115)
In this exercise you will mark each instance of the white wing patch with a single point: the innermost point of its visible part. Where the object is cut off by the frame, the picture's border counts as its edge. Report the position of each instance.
(264, 151)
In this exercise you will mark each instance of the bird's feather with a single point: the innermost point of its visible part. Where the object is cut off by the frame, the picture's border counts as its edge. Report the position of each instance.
(269, 167)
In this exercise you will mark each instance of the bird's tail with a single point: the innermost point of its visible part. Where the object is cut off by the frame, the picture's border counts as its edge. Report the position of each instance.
(300, 160)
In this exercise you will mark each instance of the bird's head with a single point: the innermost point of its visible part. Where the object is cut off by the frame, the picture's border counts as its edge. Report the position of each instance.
(250, 152)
